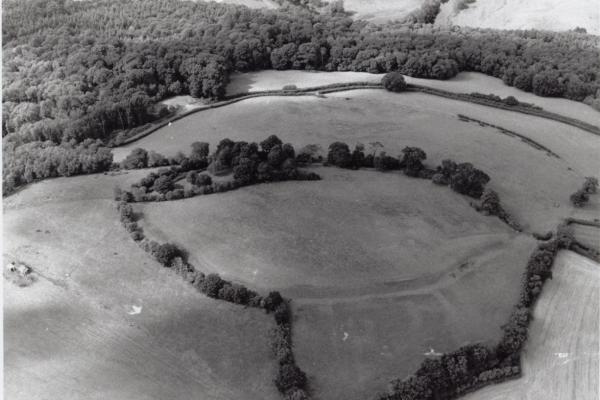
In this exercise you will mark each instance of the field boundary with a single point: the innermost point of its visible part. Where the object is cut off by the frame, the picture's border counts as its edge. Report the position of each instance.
(341, 87)
(510, 133)
(311, 91)
(524, 110)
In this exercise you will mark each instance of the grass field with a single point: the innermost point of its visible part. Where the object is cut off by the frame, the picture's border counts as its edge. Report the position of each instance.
(411, 119)
(561, 358)
(75, 332)
(396, 263)
(381, 267)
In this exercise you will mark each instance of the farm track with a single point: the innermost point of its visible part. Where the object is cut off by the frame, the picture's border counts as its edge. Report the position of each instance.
(341, 87)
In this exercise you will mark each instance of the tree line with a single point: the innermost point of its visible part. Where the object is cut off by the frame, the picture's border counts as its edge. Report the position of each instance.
(247, 163)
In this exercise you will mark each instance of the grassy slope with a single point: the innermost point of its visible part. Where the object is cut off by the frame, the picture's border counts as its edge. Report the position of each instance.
(397, 263)
(398, 120)
(70, 335)
(561, 357)
(554, 15)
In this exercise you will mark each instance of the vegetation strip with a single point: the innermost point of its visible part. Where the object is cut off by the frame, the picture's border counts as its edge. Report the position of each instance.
(507, 132)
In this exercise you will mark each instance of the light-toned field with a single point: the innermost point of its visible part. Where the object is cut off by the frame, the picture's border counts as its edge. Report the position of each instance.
(380, 267)
(380, 11)
(249, 82)
(251, 3)
(561, 358)
(464, 82)
(553, 15)
(184, 102)
(468, 82)
(411, 119)
(75, 332)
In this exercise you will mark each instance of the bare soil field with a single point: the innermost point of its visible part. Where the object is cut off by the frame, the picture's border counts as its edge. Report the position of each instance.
(104, 320)
(380, 267)
(561, 358)
(553, 15)
(411, 119)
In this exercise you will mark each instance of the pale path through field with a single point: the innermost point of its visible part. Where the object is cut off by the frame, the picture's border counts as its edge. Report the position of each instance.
(562, 353)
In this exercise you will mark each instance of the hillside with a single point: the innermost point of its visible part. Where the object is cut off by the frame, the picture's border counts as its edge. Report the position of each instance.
(103, 320)
(552, 15)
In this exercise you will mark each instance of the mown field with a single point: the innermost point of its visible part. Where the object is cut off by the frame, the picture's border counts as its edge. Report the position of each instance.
(74, 333)
(411, 119)
(561, 358)
(380, 267)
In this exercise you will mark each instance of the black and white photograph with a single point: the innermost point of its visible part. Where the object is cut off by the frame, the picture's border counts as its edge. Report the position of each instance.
(300, 200)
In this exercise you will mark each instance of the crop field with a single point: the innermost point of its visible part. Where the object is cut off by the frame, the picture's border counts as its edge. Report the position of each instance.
(561, 356)
(104, 320)
(249, 82)
(411, 119)
(555, 15)
(378, 276)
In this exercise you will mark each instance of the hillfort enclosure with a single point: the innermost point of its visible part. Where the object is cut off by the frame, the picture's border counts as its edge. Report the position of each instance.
(261, 200)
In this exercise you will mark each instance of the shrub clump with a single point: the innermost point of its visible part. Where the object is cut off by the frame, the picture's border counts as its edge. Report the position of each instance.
(394, 82)
(582, 196)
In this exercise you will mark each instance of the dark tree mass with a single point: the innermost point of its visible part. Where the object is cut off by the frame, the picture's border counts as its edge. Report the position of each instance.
(77, 70)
